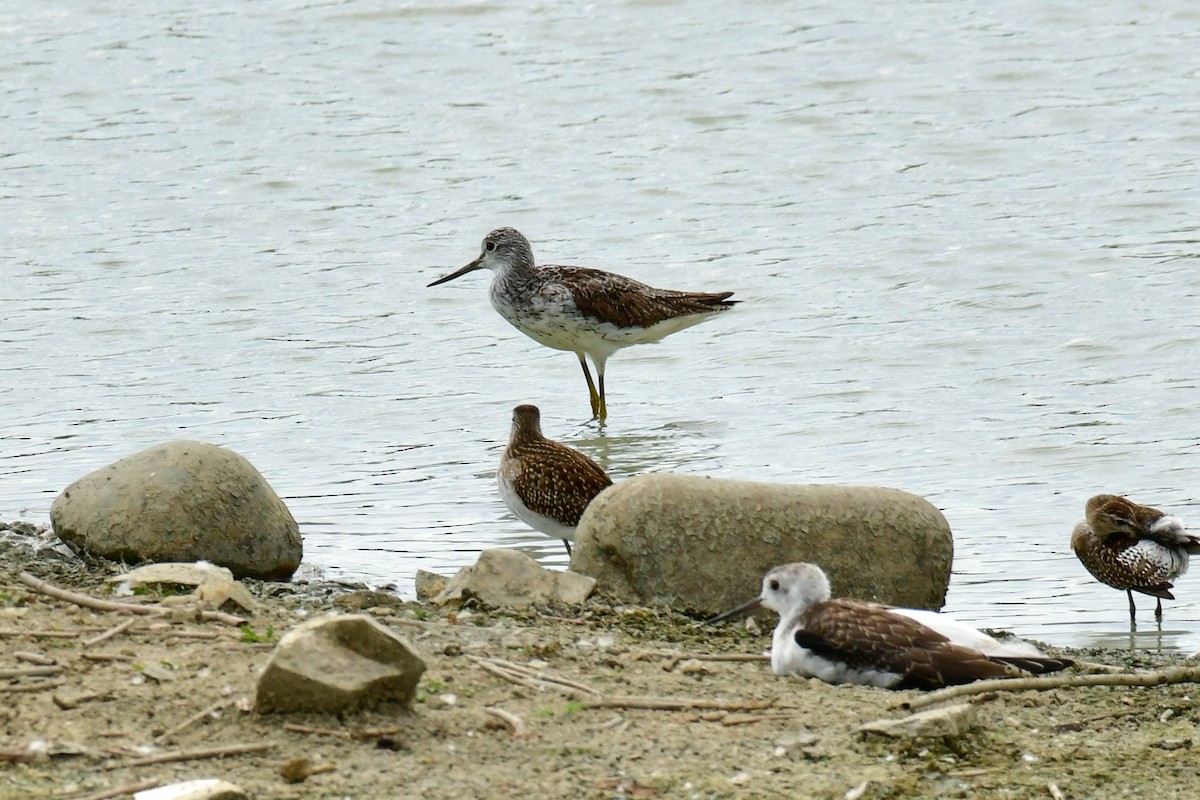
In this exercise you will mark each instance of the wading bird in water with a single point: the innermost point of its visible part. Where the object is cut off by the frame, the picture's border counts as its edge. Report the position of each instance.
(1133, 547)
(546, 484)
(587, 311)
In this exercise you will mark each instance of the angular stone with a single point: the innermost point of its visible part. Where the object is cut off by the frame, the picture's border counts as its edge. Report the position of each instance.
(214, 586)
(954, 720)
(338, 664)
(510, 579)
(703, 544)
(428, 585)
(181, 501)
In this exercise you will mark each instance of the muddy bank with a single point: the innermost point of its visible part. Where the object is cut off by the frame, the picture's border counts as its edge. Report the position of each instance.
(161, 688)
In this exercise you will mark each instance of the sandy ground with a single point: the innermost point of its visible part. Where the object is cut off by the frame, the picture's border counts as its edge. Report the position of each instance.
(114, 704)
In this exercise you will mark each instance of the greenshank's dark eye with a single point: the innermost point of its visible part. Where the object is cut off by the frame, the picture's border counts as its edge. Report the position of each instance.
(490, 246)
(774, 586)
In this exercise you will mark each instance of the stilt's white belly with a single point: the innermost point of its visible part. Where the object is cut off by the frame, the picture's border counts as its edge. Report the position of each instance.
(789, 658)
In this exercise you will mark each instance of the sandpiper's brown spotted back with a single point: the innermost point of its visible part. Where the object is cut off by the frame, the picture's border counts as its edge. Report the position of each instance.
(1132, 547)
(546, 484)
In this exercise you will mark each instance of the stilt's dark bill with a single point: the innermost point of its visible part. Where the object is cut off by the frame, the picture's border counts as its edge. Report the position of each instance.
(744, 608)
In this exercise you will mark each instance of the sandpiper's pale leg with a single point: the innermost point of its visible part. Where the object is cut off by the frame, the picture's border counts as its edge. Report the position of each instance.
(593, 395)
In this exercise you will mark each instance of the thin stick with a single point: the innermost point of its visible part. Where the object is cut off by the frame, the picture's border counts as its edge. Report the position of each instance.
(193, 755)
(531, 678)
(42, 634)
(32, 687)
(20, 756)
(34, 658)
(295, 727)
(1168, 676)
(87, 601)
(29, 672)
(746, 719)
(677, 704)
(358, 733)
(39, 585)
(515, 723)
(679, 657)
(111, 632)
(106, 657)
(192, 720)
(222, 617)
(129, 788)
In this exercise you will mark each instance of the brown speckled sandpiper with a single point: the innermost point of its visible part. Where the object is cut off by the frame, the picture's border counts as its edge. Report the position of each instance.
(1133, 547)
(854, 641)
(546, 484)
(587, 311)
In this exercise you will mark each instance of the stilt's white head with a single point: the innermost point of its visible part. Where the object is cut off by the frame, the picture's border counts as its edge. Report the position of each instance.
(793, 588)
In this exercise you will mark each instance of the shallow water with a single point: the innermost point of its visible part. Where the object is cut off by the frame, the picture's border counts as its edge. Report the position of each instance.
(965, 235)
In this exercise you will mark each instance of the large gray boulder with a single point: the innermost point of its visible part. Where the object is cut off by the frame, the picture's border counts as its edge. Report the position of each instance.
(181, 501)
(338, 664)
(703, 544)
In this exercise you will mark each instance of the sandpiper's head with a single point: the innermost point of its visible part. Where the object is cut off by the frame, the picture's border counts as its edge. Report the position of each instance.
(501, 248)
(526, 421)
(786, 589)
(1111, 515)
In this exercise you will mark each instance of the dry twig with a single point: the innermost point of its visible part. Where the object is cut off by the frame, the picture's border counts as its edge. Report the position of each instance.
(515, 723)
(29, 672)
(32, 687)
(362, 733)
(679, 657)
(192, 755)
(40, 634)
(34, 658)
(1167, 676)
(108, 634)
(120, 791)
(86, 601)
(677, 704)
(41, 586)
(532, 678)
(192, 720)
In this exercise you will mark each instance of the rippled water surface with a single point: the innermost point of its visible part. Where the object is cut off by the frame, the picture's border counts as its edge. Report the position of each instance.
(965, 235)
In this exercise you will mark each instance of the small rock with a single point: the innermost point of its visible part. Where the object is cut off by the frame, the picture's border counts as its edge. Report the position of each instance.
(364, 599)
(954, 720)
(510, 579)
(693, 667)
(215, 586)
(336, 664)
(207, 789)
(300, 769)
(429, 585)
(181, 501)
